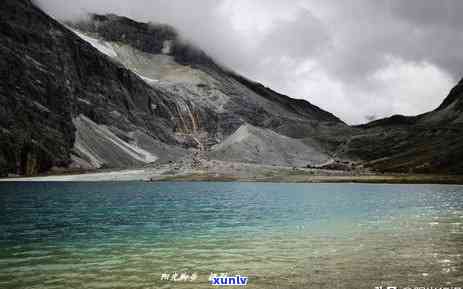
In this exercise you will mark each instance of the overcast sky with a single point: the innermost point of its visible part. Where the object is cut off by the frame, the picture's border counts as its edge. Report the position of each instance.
(359, 59)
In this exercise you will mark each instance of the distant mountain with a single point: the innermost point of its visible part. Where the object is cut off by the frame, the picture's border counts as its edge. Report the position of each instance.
(427, 143)
(114, 93)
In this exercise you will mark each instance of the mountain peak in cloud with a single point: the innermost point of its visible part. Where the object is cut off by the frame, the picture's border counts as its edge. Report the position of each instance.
(316, 51)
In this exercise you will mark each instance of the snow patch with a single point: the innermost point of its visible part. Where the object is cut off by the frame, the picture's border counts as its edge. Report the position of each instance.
(40, 106)
(148, 80)
(84, 101)
(167, 47)
(102, 46)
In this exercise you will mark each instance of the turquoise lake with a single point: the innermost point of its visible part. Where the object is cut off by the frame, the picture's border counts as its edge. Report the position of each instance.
(127, 234)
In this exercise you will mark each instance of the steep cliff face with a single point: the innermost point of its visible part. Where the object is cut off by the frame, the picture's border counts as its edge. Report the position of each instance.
(427, 143)
(48, 77)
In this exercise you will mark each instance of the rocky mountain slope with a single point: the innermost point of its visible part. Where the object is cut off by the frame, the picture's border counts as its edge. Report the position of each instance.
(251, 144)
(113, 93)
(49, 78)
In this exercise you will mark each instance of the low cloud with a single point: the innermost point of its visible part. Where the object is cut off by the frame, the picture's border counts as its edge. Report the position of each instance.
(357, 58)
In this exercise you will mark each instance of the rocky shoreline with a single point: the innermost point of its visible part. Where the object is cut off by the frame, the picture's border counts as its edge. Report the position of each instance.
(222, 171)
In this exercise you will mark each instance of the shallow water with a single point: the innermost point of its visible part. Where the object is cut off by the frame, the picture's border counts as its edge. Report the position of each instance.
(126, 235)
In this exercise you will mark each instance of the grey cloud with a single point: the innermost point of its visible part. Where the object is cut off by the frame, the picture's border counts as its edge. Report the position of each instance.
(430, 13)
(301, 37)
(419, 31)
(356, 58)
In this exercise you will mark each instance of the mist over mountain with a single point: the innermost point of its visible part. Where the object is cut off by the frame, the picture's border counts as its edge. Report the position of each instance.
(351, 59)
(109, 92)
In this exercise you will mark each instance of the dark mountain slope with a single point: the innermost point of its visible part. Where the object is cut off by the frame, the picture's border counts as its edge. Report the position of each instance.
(48, 76)
(298, 106)
(454, 98)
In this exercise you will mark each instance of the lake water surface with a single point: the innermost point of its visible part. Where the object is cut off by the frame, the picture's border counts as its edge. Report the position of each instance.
(126, 235)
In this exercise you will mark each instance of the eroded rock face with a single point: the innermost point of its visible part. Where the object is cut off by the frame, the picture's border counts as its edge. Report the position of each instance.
(48, 76)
